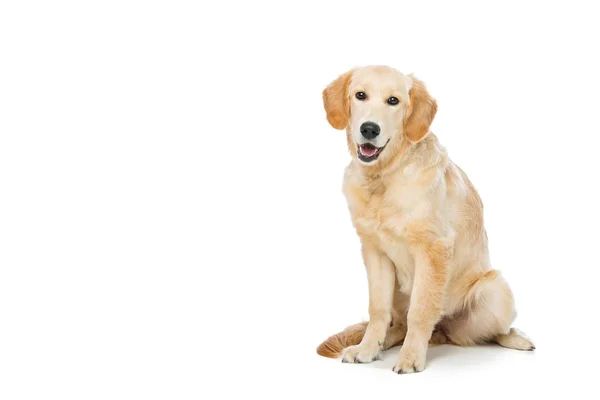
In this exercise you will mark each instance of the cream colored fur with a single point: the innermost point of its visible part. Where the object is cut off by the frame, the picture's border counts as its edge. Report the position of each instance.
(420, 221)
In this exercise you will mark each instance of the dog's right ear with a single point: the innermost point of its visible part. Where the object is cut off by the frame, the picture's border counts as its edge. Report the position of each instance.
(336, 102)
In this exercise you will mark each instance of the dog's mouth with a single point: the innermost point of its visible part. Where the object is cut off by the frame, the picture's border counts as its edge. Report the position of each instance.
(367, 152)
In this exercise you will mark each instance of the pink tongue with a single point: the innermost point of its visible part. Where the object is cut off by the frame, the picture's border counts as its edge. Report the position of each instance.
(368, 150)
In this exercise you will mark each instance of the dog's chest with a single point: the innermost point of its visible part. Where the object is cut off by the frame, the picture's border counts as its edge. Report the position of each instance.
(380, 218)
(378, 213)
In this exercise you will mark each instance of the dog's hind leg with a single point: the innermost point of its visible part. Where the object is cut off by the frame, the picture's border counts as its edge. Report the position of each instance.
(487, 317)
(397, 331)
(395, 336)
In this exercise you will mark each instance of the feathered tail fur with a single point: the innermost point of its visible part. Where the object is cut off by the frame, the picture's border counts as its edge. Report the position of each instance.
(333, 346)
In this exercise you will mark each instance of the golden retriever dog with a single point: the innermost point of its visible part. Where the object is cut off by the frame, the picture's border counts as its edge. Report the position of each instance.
(420, 222)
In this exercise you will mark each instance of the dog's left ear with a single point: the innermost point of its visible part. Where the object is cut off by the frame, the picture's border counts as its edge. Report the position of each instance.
(421, 111)
(335, 100)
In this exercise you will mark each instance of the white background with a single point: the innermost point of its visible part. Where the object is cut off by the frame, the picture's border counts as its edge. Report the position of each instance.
(171, 218)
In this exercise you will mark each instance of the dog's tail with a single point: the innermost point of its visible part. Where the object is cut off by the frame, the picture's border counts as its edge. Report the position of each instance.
(333, 346)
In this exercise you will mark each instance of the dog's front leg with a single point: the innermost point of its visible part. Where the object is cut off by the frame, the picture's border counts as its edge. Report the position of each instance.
(426, 304)
(382, 278)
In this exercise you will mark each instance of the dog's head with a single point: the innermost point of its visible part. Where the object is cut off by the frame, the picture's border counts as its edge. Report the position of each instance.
(379, 107)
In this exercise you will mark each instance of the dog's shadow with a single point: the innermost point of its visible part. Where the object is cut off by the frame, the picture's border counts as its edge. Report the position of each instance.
(456, 355)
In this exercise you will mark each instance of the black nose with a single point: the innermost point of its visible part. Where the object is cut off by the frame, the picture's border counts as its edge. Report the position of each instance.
(369, 130)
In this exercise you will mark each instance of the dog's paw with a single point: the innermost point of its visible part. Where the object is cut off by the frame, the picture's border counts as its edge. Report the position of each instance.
(409, 361)
(360, 354)
(515, 339)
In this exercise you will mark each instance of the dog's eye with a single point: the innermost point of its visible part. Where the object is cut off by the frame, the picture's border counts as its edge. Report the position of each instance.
(361, 95)
(392, 101)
